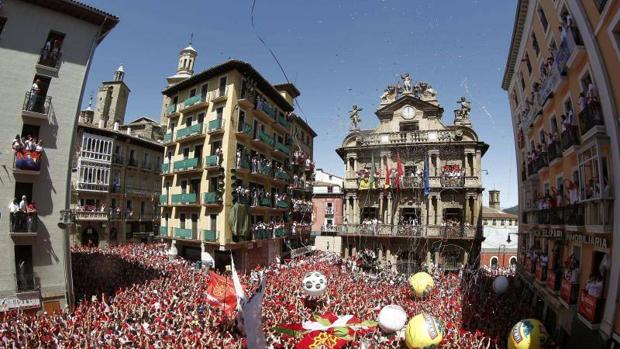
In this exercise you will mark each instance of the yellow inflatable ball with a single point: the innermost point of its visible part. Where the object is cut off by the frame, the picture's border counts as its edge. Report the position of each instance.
(528, 334)
(421, 283)
(423, 331)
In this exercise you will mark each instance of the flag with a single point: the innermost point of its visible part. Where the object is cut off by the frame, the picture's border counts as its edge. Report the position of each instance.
(426, 185)
(252, 319)
(371, 181)
(387, 174)
(221, 293)
(399, 171)
(238, 289)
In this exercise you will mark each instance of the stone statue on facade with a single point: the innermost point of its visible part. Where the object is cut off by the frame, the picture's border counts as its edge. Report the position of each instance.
(389, 94)
(354, 115)
(465, 109)
(407, 87)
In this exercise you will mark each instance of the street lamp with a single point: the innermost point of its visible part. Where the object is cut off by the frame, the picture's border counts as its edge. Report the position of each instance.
(509, 240)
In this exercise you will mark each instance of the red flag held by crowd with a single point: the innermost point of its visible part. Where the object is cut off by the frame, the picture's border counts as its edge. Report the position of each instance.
(221, 292)
(400, 171)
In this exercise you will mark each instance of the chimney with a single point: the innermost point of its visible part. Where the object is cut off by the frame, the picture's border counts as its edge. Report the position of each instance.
(494, 199)
(115, 125)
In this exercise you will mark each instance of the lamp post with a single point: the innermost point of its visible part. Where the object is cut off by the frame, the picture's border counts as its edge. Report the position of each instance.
(499, 252)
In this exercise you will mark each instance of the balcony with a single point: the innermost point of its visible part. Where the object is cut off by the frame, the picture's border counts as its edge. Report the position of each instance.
(244, 131)
(329, 211)
(171, 110)
(420, 136)
(194, 103)
(50, 61)
(591, 118)
(211, 199)
(132, 162)
(569, 138)
(452, 182)
(163, 231)
(265, 109)
(264, 202)
(568, 292)
(164, 168)
(215, 126)
(98, 187)
(568, 50)
(574, 215)
(458, 231)
(263, 170)
(599, 213)
(281, 175)
(590, 307)
(186, 165)
(244, 164)
(36, 106)
(549, 84)
(553, 280)
(264, 140)
(281, 204)
(22, 224)
(91, 215)
(210, 235)
(27, 162)
(183, 233)
(281, 232)
(282, 148)
(281, 124)
(213, 161)
(163, 199)
(189, 133)
(26, 282)
(262, 234)
(184, 199)
(167, 138)
(219, 95)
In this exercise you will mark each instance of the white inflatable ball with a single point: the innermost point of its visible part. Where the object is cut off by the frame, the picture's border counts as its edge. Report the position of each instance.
(314, 284)
(500, 284)
(392, 318)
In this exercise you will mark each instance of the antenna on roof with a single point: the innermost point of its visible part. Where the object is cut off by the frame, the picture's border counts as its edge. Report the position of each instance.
(191, 38)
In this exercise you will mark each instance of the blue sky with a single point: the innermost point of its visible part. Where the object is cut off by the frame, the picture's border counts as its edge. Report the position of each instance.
(338, 53)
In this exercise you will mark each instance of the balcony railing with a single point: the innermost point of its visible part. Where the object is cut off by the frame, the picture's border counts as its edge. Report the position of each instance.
(168, 137)
(452, 182)
(265, 202)
(569, 138)
(568, 292)
(282, 121)
(407, 230)
(553, 280)
(165, 168)
(22, 222)
(591, 116)
(554, 151)
(91, 215)
(216, 125)
(192, 100)
(189, 131)
(282, 148)
(420, 136)
(265, 138)
(26, 282)
(282, 204)
(266, 107)
(547, 86)
(264, 170)
(211, 198)
(220, 93)
(183, 233)
(210, 235)
(117, 159)
(27, 161)
(163, 231)
(212, 161)
(163, 199)
(187, 198)
(186, 164)
(599, 213)
(92, 186)
(50, 59)
(171, 109)
(36, 103)
(329, 210)
(281, 175)
(246, 129)
(567, 48)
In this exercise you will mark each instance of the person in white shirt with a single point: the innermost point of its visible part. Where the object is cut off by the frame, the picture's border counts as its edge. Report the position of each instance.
(34, 94)
(23, 205)
(13, 209)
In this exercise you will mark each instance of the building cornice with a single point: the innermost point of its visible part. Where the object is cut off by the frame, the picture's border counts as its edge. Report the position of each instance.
(515, 42)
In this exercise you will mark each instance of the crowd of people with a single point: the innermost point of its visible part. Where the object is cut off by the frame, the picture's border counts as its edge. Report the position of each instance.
(140, 298)
(302, 206)
(28, 151)
(452, 176)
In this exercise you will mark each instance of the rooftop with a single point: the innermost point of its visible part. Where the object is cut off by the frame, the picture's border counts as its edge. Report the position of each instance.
(488, 212)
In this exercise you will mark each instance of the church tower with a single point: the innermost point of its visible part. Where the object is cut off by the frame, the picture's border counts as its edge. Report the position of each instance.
(112, 99)
(185, 67)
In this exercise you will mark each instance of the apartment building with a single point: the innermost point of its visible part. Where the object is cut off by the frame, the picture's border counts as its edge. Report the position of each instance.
(46, 48)
(561, 79)
(229, 177)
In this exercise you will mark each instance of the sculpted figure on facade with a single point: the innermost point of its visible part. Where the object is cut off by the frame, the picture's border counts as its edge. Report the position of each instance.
(354, 115)
(465, 109)
(389, 94)
(407, 86)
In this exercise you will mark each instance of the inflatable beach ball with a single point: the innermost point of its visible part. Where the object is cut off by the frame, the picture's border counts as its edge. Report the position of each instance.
(500, 284)
(421, 283)
(392, 318)
(527, 334)
(314, 284)
(423, 331)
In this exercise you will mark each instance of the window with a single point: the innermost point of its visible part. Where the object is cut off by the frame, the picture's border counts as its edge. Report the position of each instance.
(219, 112)
(188, 121)
(2, 23)
(203, 90)
(535, 44)
(23, 267)
(522, 81)
(222, 87)
(142, 208)
(201, 118)
(409, 126)
(589, 174)
(494, 262)
(494, 221)
(543, 18)
(192, 92)
(51, 51)
(330, 189)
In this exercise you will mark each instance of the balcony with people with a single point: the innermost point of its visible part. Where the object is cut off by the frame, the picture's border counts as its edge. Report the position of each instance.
(452, 176)
(591, 301)
(300, 184)
(300, 160)
(569, 289)
(282, 201)
(591, 114)
(23, 218)
(537, 159)
(269, 230)
(37, 104)
(570, 42)
(262, 166)
(27, 154)
(265, 110)
(91, 210)
(51, 53)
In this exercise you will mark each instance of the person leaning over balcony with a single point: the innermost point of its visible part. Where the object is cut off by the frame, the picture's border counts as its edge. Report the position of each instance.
(23, 205)
(34, 95)
(13, 209)
(31, 209)
(47, 48)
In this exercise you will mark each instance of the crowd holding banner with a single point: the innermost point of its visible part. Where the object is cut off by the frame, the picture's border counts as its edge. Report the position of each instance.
(133, 296)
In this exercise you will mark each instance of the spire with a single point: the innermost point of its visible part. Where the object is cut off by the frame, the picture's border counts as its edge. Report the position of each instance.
(90, 103)
(119, 75)
(185, 67)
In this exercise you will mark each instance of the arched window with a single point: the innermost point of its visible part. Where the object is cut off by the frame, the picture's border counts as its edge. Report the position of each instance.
(513, 261)
(494, 263)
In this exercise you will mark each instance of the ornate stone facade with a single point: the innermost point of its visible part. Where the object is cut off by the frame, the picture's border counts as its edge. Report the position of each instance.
(412, 188)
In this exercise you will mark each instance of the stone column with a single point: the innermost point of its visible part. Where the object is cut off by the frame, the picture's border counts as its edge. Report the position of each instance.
(428, 261)
(356, 210)
(465, 258)
(465, 209)
(381, 215)
(389, 209)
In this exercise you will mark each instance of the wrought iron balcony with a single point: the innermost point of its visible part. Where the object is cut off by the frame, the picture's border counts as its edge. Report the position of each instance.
(23, 224)
(91, 215)
(184, 199)
(420, 136)
(590, 117)
(26, 282)
(216, 125)
(192, 130)
(36, 106)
